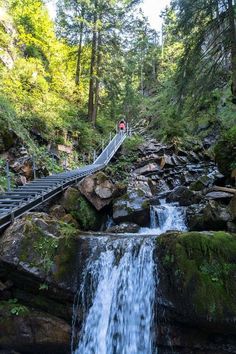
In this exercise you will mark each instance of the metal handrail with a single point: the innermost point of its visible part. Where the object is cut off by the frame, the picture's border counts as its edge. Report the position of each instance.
(31, 195)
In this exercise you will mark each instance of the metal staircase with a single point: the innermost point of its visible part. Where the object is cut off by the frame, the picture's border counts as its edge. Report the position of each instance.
(23, 199)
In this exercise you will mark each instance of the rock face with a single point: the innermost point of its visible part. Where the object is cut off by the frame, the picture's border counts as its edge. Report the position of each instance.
(197, 291)
(35, 332)
(98, 189)
(133, 207)
(40, 264)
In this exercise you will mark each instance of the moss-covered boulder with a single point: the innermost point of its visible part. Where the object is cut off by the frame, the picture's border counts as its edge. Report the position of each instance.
(38, 244)
(78, 206)
(197, 276)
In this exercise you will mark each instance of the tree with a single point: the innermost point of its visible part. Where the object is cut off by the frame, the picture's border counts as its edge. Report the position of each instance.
(208, 32)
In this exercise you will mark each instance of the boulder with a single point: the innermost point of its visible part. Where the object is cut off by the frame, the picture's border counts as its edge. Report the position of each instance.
(183, 196)
(201, 183)
(34, 332)
(197, 281)
(132, 207)
(81, 210)
(147, 169)
(98, 189)
(210, 216)
(127, 227)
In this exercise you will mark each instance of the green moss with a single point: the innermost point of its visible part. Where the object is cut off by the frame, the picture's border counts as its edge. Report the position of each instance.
(203, 265)
(86, 215)
(65, 258)
(146, 204)
(37, 248)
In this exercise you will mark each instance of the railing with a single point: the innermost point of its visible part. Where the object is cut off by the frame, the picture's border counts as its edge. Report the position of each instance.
(14, 204)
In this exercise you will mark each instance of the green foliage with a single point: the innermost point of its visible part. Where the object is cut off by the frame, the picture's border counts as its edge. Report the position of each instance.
(68, 230)
(225, 151)
(13, 308)
(132, 144)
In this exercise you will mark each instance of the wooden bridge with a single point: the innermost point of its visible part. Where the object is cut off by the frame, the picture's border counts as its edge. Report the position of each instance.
(23, 199)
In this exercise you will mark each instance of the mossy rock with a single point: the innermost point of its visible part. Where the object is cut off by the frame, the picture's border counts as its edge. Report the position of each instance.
(81, 210)
(199, 271)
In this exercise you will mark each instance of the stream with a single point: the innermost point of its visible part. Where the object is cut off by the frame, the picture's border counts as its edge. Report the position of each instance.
(117, 292)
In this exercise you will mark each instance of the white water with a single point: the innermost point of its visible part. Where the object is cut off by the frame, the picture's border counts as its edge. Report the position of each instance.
(165, 217)
(117, 292)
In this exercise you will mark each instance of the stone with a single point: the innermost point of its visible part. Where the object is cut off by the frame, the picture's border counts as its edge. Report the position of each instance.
(183, 196)
(98, 189)
(127, 227)
(201, 183)
(147, 169)
(35, 332)
(57, 211)
(132, 207)
(211, 216)
(81, 210)
(194, 290)
(232, 208)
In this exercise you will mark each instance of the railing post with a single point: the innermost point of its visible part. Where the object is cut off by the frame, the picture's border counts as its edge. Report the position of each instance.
(53, 164)
(110, 136)
(34, 167)
(8, 176)
(102, 145)
(94, 155)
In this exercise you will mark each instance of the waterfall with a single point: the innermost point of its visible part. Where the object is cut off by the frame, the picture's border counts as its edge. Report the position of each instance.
(165, 217)
(114, 307)
(120, 318)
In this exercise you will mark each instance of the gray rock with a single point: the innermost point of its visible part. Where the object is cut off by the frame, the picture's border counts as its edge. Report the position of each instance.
(183, 196)
(127, 227)
(34, 332)
(133, 207)
(98, 189)
(151, 167)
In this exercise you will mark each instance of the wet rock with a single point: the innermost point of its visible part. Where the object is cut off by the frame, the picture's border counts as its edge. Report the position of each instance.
(183, 196)
(133, 207)
(221, 196)
(201, 183)
(98, 189)
(124, 228)
(35, 332)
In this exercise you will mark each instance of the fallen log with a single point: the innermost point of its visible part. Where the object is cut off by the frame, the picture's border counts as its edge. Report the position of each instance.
(224, 189)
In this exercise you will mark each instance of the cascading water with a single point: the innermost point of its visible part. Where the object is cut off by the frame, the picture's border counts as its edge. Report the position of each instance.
(117, 292)
(165, 217)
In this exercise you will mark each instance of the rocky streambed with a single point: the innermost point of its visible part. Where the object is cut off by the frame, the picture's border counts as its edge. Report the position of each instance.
(43, 255)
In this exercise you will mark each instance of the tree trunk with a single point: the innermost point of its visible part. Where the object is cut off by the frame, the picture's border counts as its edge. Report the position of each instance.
(92, 67)
(79, 53)
(98, 74)
(233, 46)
